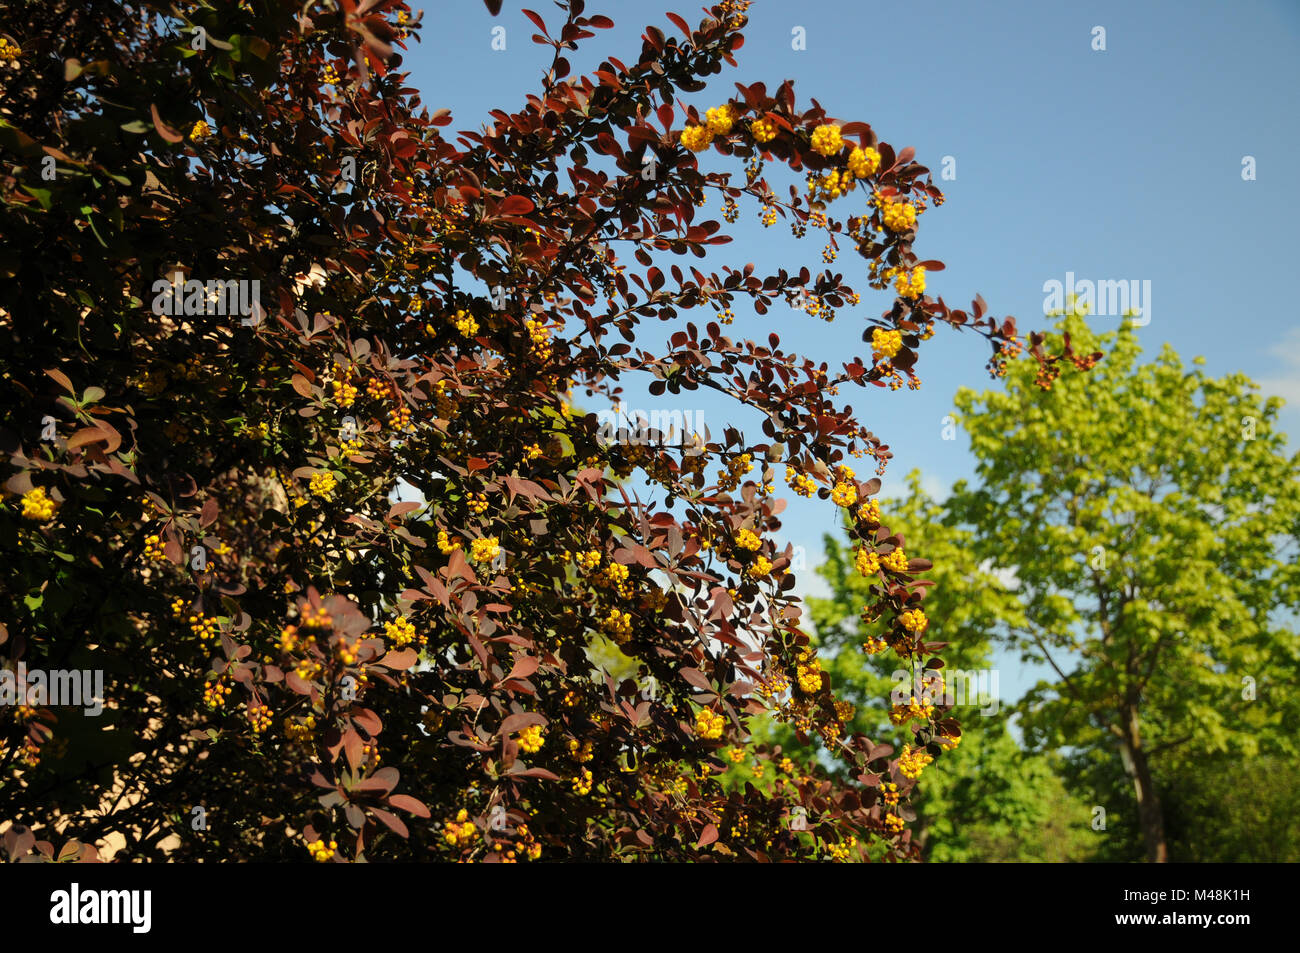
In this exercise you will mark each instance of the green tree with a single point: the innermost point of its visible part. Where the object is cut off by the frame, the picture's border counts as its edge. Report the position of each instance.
(990, 800)
(1149, 514)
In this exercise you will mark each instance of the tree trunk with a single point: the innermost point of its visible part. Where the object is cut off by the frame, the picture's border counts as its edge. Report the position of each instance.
(1151, 817)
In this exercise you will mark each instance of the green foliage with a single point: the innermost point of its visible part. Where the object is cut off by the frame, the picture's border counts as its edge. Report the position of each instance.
(1150, 515)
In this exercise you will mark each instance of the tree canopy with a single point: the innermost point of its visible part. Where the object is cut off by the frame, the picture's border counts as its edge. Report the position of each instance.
(295, 456)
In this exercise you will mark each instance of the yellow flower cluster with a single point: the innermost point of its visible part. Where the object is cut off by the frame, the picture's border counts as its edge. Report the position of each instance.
(720, 119)
(460, 831)
(532, 738)
(774, 684)
(863, 162)
(826, 140)
(709, 724)
(540, 336)
(760, 567)
(615, 575)
(869, 513)
(345, 393)
(346, 652)
(588, 560)
(200, 131)
(401, 630)
(737, 467)
(696, 138)
(898, 216)
(477, 503)
(803, 485)
(894, 823)
(736, 754)
(322, 852)
(914, 620)
(895, 561)
(581, 751)
(37, 506)
(484, 550)
(313, 618)
(913, 761)
(399, 417)
(748, 539)
(259, 716)
(206, 629)
(300, 731)
(911, 285)
(322, 485)
(867, 562)
(830, 186)
(582, 782)
(763, 130)
(465, 323)
(915, 708)
(215, 693)
(844, 494)
(809, 672)
(840, 852)
(9, 50)
(153, 548)
(617, 625)
(874, 646)
(885, 342)
(445, 544)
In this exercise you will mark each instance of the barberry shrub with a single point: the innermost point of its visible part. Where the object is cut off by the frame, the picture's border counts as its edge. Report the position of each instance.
(295, 453)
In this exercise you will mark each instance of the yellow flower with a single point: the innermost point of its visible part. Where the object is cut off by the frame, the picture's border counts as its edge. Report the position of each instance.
(895, 561)
(913, 761)
(809, 673)
(200, 130)
(617, 625)
(709, 724)
(465, 323)
(322, 485)
(532, 738)
(898, 216)
(719, 119)
(484, 550)
(401, 631)
(863, 162)
(885, 342)
(826, 140)
(696, 138)
(747, 539)
(867, 562)
(914, 620)
(322, 852)
(37, 506)
(911, 285)
(763, 130)
(844, 494)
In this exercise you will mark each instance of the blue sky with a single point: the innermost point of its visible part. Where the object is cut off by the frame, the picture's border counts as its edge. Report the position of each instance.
(1122, 164)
